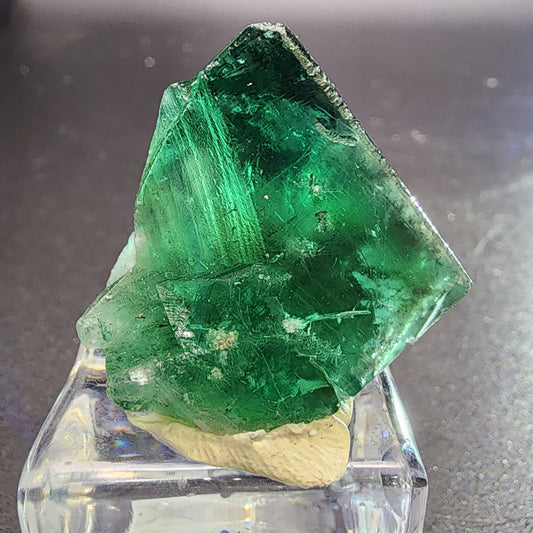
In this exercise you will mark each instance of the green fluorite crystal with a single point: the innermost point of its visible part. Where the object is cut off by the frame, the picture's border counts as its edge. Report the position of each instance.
(278, 264)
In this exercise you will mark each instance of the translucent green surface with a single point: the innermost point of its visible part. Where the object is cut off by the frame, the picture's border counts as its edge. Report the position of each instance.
(279, 263)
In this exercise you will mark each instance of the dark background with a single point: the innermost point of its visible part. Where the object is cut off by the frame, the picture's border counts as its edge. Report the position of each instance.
(446, 95)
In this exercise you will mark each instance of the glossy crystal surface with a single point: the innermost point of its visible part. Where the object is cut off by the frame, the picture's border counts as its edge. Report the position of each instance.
(278, 262)
(91, 471)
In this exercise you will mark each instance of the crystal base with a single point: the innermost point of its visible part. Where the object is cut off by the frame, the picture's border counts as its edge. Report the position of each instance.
(90, 470)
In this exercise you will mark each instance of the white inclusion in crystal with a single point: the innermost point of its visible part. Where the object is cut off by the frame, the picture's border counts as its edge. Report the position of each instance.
(222, 340)
(183, 332)
(142, 375)
(215, 374)
(305, 247)
(292, 324)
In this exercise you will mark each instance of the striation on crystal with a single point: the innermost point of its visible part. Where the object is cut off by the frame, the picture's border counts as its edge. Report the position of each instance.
(277, 263)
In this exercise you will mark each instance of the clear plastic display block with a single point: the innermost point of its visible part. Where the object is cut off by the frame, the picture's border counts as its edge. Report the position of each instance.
(90, 470)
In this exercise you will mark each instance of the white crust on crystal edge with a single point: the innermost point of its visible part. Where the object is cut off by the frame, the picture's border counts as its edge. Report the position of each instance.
(313, 454)
(125, 261)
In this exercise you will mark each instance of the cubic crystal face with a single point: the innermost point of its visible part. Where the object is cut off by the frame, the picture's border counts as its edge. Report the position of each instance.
(278, 262)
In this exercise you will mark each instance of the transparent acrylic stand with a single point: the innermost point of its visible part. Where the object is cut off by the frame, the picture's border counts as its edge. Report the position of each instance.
(90, 470)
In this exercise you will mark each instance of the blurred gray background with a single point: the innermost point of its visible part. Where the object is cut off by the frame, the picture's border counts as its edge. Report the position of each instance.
(445, 90)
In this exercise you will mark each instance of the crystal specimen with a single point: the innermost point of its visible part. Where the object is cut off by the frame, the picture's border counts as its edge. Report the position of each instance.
(278, 264)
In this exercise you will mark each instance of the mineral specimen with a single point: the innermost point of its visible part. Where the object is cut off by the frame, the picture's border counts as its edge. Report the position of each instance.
(277, 263)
